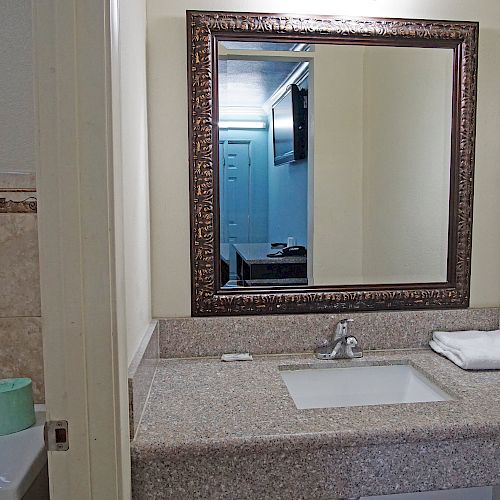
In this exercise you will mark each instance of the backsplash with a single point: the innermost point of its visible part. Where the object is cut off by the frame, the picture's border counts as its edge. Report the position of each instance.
(141, 372)
(20, 321)
(186, 337)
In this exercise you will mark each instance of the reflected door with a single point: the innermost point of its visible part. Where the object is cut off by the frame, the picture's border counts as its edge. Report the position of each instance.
(235, 196)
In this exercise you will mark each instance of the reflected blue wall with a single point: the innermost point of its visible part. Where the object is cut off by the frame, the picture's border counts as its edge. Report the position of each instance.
(287, 196)
(288, 202)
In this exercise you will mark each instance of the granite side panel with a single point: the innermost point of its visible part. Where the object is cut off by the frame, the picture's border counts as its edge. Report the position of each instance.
(314, 473)
(280, 334)
(425, 466)
(141, 373)
(216, 475)
(19, 265)
(21, 354)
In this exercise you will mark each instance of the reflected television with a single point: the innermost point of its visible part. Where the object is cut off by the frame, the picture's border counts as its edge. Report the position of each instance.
(290, 126)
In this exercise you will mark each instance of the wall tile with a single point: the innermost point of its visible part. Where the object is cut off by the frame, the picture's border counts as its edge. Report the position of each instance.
(140, 374)
(19, 266)
(21, 353)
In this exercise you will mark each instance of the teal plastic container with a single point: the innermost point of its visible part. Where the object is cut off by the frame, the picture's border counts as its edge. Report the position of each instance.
(17, 411)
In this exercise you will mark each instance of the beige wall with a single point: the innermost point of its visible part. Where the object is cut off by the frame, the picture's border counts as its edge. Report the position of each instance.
(17, 97)
(381, 156)
(169, 147)
(132, 179)
(338, 164)
(406, 164)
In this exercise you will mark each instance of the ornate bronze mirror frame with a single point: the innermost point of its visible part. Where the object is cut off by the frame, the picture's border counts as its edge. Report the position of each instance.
(204, 30)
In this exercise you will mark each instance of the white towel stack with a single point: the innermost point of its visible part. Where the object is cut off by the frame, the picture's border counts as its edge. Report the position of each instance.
(471, 350)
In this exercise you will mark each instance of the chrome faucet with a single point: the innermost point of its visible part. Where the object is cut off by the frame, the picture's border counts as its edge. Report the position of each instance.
(343, 346)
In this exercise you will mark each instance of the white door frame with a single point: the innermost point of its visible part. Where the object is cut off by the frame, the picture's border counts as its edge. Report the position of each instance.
(84, 352)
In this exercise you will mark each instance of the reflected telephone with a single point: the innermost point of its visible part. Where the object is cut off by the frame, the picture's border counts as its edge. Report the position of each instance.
(295, 251)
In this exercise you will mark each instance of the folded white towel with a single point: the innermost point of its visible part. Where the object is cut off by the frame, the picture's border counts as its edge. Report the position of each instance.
(471, 350)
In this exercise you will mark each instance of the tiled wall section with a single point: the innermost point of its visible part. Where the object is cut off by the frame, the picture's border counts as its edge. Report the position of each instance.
(19, 270)
(21, 351)
(20, 323)
(185, 337)
(140, 374)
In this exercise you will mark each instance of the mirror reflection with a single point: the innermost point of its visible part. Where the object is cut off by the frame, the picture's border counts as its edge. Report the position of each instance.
(334, 164)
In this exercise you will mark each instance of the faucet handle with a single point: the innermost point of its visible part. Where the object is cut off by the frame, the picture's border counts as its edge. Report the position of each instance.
(341, 330)
(351, 341)
(352, 347)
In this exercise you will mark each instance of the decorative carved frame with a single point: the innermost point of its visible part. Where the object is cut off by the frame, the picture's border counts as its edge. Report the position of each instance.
(26, 206)
(204, 30)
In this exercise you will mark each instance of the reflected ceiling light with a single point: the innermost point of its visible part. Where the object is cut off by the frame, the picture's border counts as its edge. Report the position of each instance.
(242, 124)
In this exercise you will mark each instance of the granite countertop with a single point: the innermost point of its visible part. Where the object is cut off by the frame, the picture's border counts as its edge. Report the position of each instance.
(200, 404)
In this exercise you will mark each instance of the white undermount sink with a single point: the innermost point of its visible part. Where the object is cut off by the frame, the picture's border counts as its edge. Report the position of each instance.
(327, 387)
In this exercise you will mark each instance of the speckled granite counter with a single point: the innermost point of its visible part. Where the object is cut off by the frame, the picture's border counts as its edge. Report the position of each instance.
(217, 430)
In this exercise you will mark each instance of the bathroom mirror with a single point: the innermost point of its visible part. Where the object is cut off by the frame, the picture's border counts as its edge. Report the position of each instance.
(331, 162)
